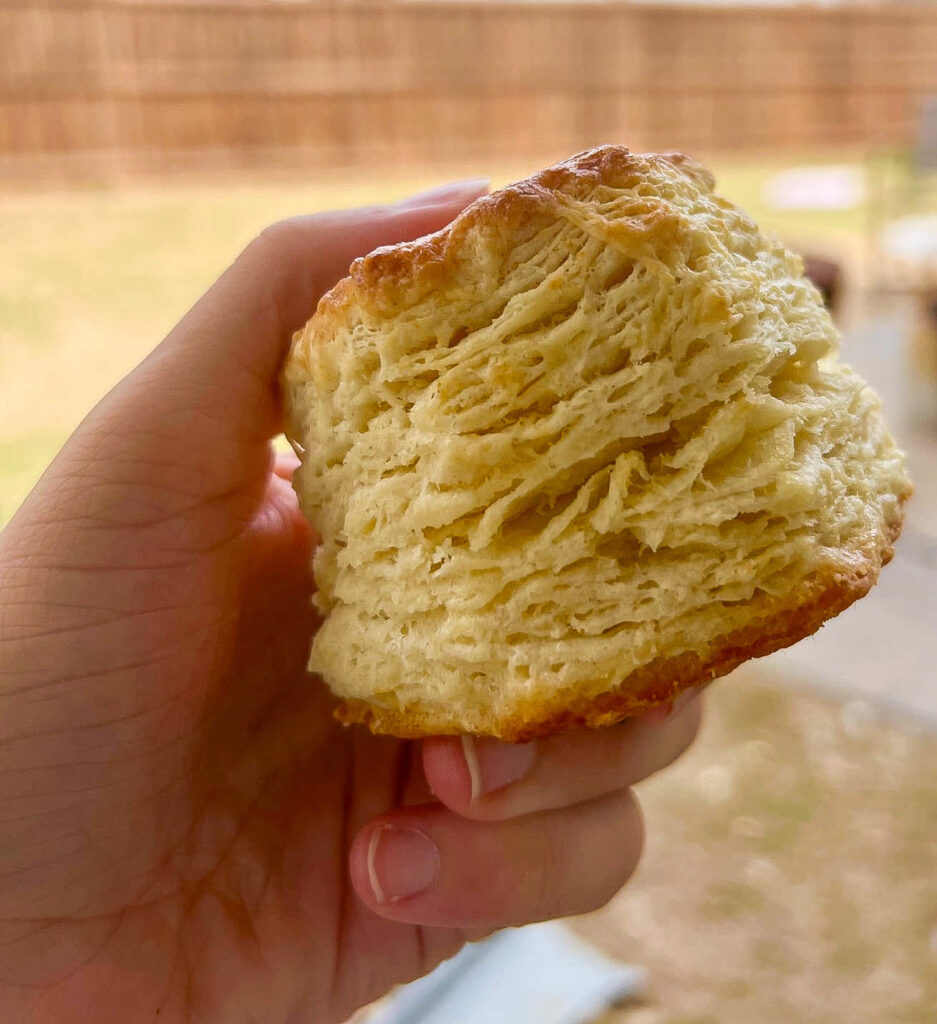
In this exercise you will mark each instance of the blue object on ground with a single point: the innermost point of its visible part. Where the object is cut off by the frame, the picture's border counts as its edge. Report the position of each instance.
(542, 973)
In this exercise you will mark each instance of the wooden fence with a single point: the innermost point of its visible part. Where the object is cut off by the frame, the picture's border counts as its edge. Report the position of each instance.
(104, 89)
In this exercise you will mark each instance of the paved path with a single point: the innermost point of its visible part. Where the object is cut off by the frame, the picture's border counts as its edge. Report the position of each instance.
(884, 648)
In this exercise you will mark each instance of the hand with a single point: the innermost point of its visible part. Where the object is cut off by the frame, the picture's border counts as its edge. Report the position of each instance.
(184, 830)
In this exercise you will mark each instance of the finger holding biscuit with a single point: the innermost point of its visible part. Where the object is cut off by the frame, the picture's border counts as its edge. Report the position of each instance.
(428, 866)
(488, 780)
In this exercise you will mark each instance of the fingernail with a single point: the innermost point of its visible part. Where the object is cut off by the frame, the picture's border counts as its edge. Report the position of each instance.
(470, 186)
(402, 862)
(492, 765)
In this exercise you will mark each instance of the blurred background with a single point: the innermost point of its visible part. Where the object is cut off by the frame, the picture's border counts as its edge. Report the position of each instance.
(791, 871)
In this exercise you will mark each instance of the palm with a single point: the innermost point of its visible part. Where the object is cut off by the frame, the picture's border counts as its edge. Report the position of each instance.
(232, 804)
(282, 793)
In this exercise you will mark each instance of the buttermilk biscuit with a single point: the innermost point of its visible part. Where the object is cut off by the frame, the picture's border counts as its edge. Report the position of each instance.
(589, 445)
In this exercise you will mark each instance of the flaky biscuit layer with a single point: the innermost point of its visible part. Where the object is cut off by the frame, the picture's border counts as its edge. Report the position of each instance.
(587, 446)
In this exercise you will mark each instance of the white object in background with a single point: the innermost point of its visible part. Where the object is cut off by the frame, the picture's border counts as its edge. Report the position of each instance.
(833, 187)
(542, 974)
(911, 239)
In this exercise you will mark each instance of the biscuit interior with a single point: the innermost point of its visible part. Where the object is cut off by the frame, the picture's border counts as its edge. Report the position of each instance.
(587, 446)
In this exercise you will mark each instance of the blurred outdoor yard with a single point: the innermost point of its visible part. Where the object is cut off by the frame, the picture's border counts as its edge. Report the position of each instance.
(790, 871)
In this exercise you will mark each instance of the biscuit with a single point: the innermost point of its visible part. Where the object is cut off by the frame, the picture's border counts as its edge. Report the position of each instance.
(587, 446)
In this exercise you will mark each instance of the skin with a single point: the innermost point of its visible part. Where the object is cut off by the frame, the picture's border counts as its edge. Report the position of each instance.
(185, 832)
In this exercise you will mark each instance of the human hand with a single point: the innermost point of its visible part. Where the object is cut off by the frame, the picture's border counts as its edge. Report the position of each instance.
(184, 830)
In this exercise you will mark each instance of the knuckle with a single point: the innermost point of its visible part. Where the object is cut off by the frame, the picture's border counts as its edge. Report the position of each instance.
(278, 254)
(278, 242)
